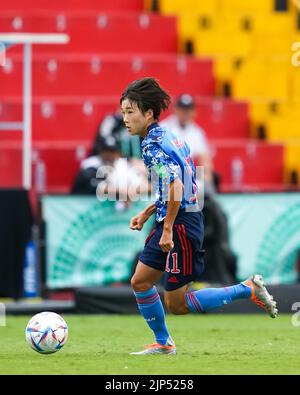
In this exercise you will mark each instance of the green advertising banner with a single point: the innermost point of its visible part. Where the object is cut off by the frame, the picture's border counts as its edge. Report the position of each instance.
(89, 242)
(265, 234)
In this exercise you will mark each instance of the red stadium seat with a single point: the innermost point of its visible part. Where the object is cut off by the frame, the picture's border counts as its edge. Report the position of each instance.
(128, 32)
(72, 119)
(223, 118)
(112, 42)
(58, 5)
(10, 164)
(61, 163)
(262, 163)
(60, 119)
(107, 74)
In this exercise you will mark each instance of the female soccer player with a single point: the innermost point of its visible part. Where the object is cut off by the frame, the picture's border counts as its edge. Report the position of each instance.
(174, 248)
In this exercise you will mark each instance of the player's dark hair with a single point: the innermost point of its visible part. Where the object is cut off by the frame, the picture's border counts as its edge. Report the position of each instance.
(147, 94)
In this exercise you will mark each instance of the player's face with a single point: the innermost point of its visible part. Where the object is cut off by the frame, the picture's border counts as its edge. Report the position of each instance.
(135, 121)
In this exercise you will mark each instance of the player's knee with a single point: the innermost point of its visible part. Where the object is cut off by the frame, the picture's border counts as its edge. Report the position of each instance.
(174, 308)
(139, 285)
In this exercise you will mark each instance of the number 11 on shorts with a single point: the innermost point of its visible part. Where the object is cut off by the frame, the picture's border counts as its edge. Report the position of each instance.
(175, 269)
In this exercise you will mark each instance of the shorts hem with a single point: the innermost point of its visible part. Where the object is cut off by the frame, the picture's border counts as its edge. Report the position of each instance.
(152, 265)
(182, 284)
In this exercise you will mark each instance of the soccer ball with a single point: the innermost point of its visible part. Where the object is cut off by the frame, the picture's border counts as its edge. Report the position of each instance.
(46, 332)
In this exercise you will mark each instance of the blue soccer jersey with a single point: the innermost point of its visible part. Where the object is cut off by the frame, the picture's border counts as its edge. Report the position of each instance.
(167, 158)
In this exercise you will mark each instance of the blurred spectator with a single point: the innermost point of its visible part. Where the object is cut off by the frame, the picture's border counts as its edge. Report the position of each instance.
(182, 123)
(86, 182)
(113, 125)
(119, 177)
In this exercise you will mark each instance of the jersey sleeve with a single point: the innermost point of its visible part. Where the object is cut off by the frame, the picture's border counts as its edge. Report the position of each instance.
(160, 164)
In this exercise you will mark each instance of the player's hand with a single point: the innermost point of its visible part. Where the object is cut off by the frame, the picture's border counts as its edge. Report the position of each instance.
(166, 241)
(137, 222)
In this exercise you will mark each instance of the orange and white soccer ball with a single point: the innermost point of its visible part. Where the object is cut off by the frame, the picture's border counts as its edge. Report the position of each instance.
(46, 332)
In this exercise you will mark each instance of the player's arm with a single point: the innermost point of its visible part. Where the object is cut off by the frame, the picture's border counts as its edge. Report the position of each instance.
(175, 195)
(137, 222)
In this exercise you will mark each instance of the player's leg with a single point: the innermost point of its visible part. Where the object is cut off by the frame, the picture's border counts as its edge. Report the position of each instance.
(180, 301)
(211, 298)
(185, 262)
(145, 277)
(182, 268)
(175, 301)
(151, 308)
(191, 234)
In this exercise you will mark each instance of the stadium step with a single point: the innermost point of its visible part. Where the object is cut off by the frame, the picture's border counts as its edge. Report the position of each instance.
(59, 5)
(60, 161)
(107, 74)
(292, 164)
(90, 32)
(77, 118)
(260, 165)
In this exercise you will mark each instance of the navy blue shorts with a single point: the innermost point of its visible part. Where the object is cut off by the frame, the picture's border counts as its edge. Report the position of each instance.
(185, 261)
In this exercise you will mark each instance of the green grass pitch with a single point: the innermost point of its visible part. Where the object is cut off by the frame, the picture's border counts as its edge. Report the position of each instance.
(206, 344)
